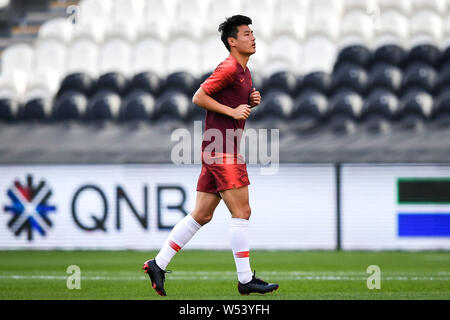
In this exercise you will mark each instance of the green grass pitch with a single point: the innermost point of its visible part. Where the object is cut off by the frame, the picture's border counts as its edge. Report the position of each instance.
(211, 275)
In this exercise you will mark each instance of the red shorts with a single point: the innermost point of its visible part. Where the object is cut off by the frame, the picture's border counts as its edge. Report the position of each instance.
(222, 171)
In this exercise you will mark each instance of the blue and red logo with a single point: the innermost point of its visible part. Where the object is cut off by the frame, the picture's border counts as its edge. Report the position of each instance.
(29, 208)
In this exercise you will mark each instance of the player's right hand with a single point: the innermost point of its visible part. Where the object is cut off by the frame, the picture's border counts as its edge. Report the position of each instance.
(241, 112)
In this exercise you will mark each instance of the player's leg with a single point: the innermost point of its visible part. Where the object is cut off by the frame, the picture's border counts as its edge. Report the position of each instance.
(237, 201)
(181, 233)
(187, 227)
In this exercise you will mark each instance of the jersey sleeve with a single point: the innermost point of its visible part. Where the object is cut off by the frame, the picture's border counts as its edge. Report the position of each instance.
(222, 76)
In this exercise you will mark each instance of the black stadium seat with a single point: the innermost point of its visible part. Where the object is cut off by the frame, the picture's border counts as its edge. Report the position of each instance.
(426, 53)
(441, 108)
(350, 76)
(415, 108)
(112, 81)
(9, 108)
(80, 82)
(283, 80)
(356, 54)
(38, 108)
(70, 105)
(277, 104)
(139, 105)
(380, 109)
(444, 77)
(419, 76)
(391, 54)
(173, 105)
(387, 76)
(147, 81)
(104, 105)
(310, 110)
(183, 81)
(345, 108)
(319, 81)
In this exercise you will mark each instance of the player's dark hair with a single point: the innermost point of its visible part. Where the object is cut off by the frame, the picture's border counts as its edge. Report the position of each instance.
(228, 28)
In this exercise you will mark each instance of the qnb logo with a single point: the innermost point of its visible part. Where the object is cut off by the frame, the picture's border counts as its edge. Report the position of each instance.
(29, 208)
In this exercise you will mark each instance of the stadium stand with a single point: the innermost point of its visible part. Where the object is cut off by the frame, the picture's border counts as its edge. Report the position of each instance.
(351, 81)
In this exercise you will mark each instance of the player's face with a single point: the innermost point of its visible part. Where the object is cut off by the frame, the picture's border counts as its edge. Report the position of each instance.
(245, 42)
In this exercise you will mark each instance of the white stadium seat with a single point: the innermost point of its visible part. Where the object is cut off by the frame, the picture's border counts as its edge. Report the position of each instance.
(439, 6)
(51, 55)
(157, 19)
(93, 18)
(126, 18)
(115, 56)
(188, 19)
(183, 54)
(83, 57)
(319, 54)
(291, 17)
(363, 5)
(17, 66)
(212, 52)
(446, 40)
(261, 13)
(149, 54)
(356, 28)
(60, 28)
(425, 27)
(394, 28)
(404, 6)
(284, 55)
(217, 12)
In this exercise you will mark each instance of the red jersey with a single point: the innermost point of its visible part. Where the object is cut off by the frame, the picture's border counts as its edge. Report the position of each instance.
(230, 85)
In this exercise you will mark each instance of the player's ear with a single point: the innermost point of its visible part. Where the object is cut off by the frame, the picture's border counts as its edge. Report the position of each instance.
(231, 41)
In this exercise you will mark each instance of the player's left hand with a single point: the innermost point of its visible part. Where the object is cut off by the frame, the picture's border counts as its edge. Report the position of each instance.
(255, 98)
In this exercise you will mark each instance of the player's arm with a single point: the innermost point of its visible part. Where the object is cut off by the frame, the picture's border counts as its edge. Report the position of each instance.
(203, 100)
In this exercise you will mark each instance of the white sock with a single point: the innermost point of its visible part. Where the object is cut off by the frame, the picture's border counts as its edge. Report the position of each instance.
(241, 249)
(183, 231)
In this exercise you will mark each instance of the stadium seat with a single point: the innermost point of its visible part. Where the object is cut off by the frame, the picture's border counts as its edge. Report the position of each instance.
(17, 66)
(380, 109)
(212, 53)
(261, 13)
(37, 105)
(425, 27)
(183, 54)
(9, 106)
(393, 28)
(419, 76)
(426, 53)
(392, 54)
(319, 81)
(351, 76)
(189, 15)
(345, 109)
(356, 54)
(70, 105)
(113, 81)
(387, 76)
(283, 55)
(319, 54)
(115, 56)
(284, 80)
(104, 105)
(441, 108)
(139, 105)
(216, 12)
(147, 81)
(157, 19)
(126, 17)
(51, 59)
(403, 6)
(258, 81)
(173, 105)
(93, 18)
(310, 109)
(182, 81)
(416, 107)
(438, 6)
(290, 18)
(356, 28)
(80, 82)
(362, 5)
(444, 77)
(59, 28)
(83, 56)
(149, 54)
(277, 104)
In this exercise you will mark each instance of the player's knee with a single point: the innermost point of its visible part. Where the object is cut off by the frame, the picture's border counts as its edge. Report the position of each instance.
(243, 213)
(202, 218)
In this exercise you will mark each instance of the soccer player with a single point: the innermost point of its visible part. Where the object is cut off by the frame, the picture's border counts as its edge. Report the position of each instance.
(227, 95)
